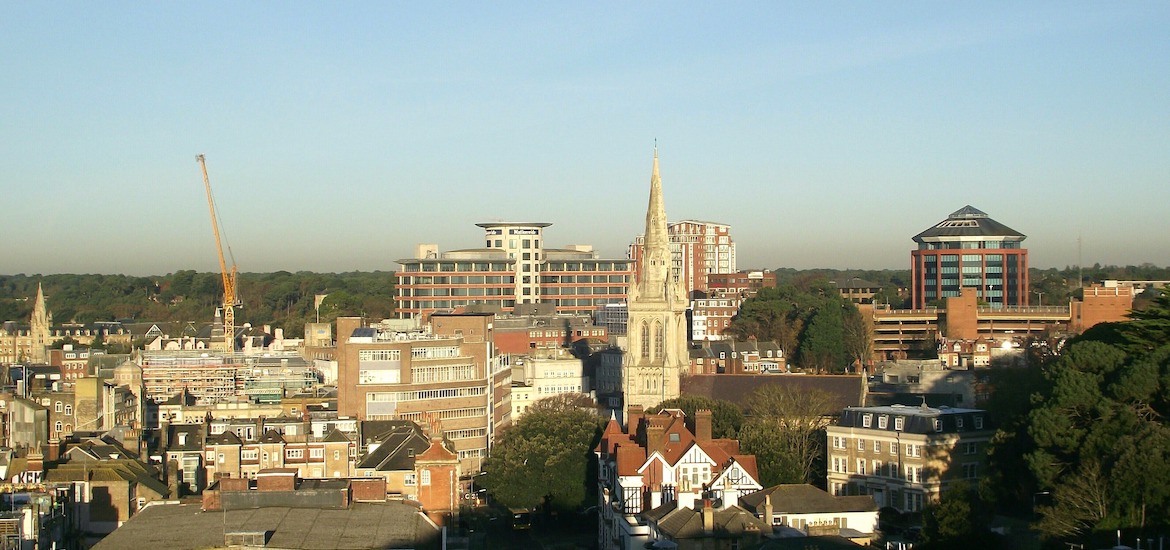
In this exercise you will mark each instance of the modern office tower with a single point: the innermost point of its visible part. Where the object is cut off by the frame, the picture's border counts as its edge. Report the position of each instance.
(970, 250)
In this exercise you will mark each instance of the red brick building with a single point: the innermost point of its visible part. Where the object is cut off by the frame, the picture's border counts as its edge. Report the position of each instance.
(698, 249)
(969, 250)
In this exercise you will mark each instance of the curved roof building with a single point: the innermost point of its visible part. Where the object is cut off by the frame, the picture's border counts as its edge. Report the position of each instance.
(970, 250)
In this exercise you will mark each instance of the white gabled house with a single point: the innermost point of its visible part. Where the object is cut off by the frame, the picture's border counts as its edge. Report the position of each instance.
(656, 461)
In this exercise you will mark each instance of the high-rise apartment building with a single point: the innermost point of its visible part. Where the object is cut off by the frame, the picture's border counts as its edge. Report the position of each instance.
(970, 250)
(656, 356)
(697, 249)
(513, 268)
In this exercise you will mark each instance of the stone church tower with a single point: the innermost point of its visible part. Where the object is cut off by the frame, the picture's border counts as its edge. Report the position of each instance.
(657, 355)
(38, 329)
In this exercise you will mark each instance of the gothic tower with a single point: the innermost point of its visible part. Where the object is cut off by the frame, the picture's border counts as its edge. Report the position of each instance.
(38, 329)
(656, 357)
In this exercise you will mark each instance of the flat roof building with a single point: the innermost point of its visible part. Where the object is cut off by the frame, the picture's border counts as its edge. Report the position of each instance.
(514, 267)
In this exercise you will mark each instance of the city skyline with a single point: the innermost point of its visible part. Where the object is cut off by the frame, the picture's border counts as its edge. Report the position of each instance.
(337, 139)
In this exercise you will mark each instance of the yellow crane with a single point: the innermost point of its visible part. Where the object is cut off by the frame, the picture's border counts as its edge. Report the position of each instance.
(229, 277)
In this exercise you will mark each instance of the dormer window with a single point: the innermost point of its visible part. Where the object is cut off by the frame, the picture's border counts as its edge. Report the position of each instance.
(674, 438)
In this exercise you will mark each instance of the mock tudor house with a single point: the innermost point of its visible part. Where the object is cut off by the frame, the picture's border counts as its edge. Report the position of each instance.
(658, 462)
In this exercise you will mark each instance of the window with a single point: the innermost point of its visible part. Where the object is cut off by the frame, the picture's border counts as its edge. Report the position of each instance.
(978, 421)
(938, 425)
(883, 421)
(898, 422)
(249, 454)
(210, 456)
(970, 448)
(893, 448)
(877, 446)
(838, 442)
(221, 458)
(971, 471)
(317, 453)
(861, 466)
(426, 477)
(866, 420)
(336, 455)
(959, 422)
(68, 409)
(295, 453)
(410, 480)
(57, 426)
(860, 444)
(58, 408)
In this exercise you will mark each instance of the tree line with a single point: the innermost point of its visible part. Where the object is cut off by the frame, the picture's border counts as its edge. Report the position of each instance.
(817, 328)
(282, 299)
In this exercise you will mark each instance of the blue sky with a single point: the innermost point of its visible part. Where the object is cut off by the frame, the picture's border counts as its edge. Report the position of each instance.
(339, 135)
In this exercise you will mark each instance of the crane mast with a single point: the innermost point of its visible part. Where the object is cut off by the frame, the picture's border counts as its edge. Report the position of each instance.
(229, 277)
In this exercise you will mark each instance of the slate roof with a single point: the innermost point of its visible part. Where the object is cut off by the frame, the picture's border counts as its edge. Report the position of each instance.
(397, 449)
(362, 525)
(225, 438)
(846, 390)
(272, 436)
(969, 222)
(687, 523)
(122, 469)
(918, 420)
(805, 499)
(193, 441)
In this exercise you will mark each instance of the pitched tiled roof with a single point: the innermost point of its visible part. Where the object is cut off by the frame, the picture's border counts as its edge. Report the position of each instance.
(846, 390)
(730, 522)
(805, 499)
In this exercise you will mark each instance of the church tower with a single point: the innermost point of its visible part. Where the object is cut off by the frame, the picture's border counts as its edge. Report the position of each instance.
(38, 329)
(657, 355)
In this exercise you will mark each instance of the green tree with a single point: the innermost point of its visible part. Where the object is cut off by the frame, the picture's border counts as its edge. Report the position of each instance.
(960, 519)
(822, 347)
(785, 430)
(544, 458)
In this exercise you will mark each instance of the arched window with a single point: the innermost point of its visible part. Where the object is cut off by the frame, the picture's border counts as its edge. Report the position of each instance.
(645, 339)
(659, 340)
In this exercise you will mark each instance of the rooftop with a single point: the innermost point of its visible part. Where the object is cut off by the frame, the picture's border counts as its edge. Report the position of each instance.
(362, 525)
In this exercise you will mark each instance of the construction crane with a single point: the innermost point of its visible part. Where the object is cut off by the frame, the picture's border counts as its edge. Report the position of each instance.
(229, 277)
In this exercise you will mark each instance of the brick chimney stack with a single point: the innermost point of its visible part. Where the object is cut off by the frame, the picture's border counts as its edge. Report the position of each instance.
(703, 421)
(655, 435)
(633, 419)
(768, 511)
(708, 517)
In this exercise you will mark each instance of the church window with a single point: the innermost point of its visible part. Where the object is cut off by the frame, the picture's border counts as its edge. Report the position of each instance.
(645, 339)
(659, 340)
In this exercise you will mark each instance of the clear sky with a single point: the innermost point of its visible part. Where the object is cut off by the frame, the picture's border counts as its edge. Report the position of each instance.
(339, 135)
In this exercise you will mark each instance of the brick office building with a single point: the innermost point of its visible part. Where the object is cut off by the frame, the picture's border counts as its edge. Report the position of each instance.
(970, 250)
(444, 371)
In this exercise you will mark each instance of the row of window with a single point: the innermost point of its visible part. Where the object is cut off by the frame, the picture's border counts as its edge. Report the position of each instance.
(458, 280)
(431, 266)
(419, 395)
(883, 422)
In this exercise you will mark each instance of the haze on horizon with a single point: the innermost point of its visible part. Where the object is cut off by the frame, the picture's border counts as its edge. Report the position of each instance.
(340, 136)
